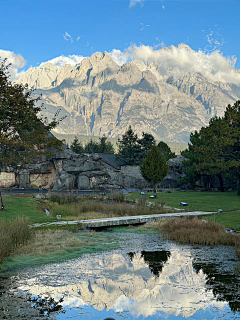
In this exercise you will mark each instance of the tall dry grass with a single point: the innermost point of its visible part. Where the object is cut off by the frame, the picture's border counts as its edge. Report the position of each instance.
(97, 209)
(13, 233)
(44, 242)
(195, 231)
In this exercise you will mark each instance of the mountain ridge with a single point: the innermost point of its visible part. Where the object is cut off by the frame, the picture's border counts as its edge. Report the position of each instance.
(100, 97)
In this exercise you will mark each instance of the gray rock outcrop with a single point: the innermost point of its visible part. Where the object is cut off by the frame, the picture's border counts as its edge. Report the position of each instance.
(68, 170)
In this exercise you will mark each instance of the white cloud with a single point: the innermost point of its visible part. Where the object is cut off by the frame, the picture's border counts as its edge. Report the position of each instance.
(67, 37)
(78, 38)
(163, 7)
(178, 61)
(119, 57)
(134, 2)
(72, 59)
(17, 62)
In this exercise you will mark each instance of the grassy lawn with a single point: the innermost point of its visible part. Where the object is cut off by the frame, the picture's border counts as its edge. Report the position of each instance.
(229, 202)
(197, 201)
(23, 206)
(227, 219)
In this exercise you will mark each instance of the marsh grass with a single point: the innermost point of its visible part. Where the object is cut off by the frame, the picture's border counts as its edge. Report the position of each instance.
(13, 233)
(44, 242)
(195, 231)
(96, 209)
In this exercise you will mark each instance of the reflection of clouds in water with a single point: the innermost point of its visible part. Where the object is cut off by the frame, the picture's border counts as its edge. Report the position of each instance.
(113, 281)
(72, 302)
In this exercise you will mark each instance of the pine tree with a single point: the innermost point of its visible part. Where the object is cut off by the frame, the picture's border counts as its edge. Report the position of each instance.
(215, 149)
(166, 151)
(76, 146)
(129, 149)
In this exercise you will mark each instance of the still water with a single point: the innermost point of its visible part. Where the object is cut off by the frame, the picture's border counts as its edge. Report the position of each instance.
(146, 279)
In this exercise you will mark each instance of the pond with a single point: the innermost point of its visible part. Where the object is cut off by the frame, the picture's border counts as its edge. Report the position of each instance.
(147, 278)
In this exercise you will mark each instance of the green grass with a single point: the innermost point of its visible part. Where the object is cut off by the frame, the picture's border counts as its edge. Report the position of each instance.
(197, 201)
(227, 219)
(23, 206)
(92, 242)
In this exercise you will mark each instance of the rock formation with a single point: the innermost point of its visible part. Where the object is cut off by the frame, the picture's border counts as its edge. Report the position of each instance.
(68, 170)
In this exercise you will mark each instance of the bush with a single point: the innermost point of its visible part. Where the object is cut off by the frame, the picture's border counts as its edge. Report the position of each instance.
(12, 234)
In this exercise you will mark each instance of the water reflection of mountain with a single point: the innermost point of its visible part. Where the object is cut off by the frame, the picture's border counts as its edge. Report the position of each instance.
(154, 259)
(128, 282)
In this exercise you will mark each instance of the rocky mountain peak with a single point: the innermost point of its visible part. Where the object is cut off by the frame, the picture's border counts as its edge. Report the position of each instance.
(184, 46)
(156, 96)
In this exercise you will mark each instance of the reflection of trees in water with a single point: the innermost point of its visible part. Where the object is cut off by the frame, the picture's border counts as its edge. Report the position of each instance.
(154, 259)
(224, 285)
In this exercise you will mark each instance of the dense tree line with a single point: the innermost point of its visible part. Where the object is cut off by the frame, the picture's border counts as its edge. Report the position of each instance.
(133, 150)
(103, 146)
(215, 150)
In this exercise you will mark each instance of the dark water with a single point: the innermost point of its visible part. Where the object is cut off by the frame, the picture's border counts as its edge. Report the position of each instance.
(146, 279)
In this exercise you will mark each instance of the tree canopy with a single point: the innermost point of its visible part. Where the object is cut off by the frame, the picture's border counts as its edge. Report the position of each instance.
(24, 134)
(154, 167)
(103, 146)
(166, 151)
(215, 149)
(133, 150)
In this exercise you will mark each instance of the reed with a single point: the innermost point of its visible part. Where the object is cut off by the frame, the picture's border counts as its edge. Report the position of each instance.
(190, 230)
(96, 209)
(13, 233)
(47, 241)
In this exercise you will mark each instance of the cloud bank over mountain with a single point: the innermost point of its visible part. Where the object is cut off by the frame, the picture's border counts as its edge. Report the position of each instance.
(181, 60)
(176, 61)
(17, 62)
(168, 92)
(60, 61)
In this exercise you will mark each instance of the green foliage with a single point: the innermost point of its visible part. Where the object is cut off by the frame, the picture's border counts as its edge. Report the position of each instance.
(103, 146)
(154, 167)
(128, 148)
(146, 143)
(23, 133)
(166, 151)
(133, 150)
(76, 146)
(215, 149)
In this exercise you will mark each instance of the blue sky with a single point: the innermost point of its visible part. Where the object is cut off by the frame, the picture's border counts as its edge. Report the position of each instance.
(40, 30)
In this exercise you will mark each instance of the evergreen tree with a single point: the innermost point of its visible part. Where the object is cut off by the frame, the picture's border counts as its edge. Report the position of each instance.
(215, 149)
(166, 151)
(104, 146)
(91, 147)
(76, 146)
(146, 143)
(154, 167)
(129, 149)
